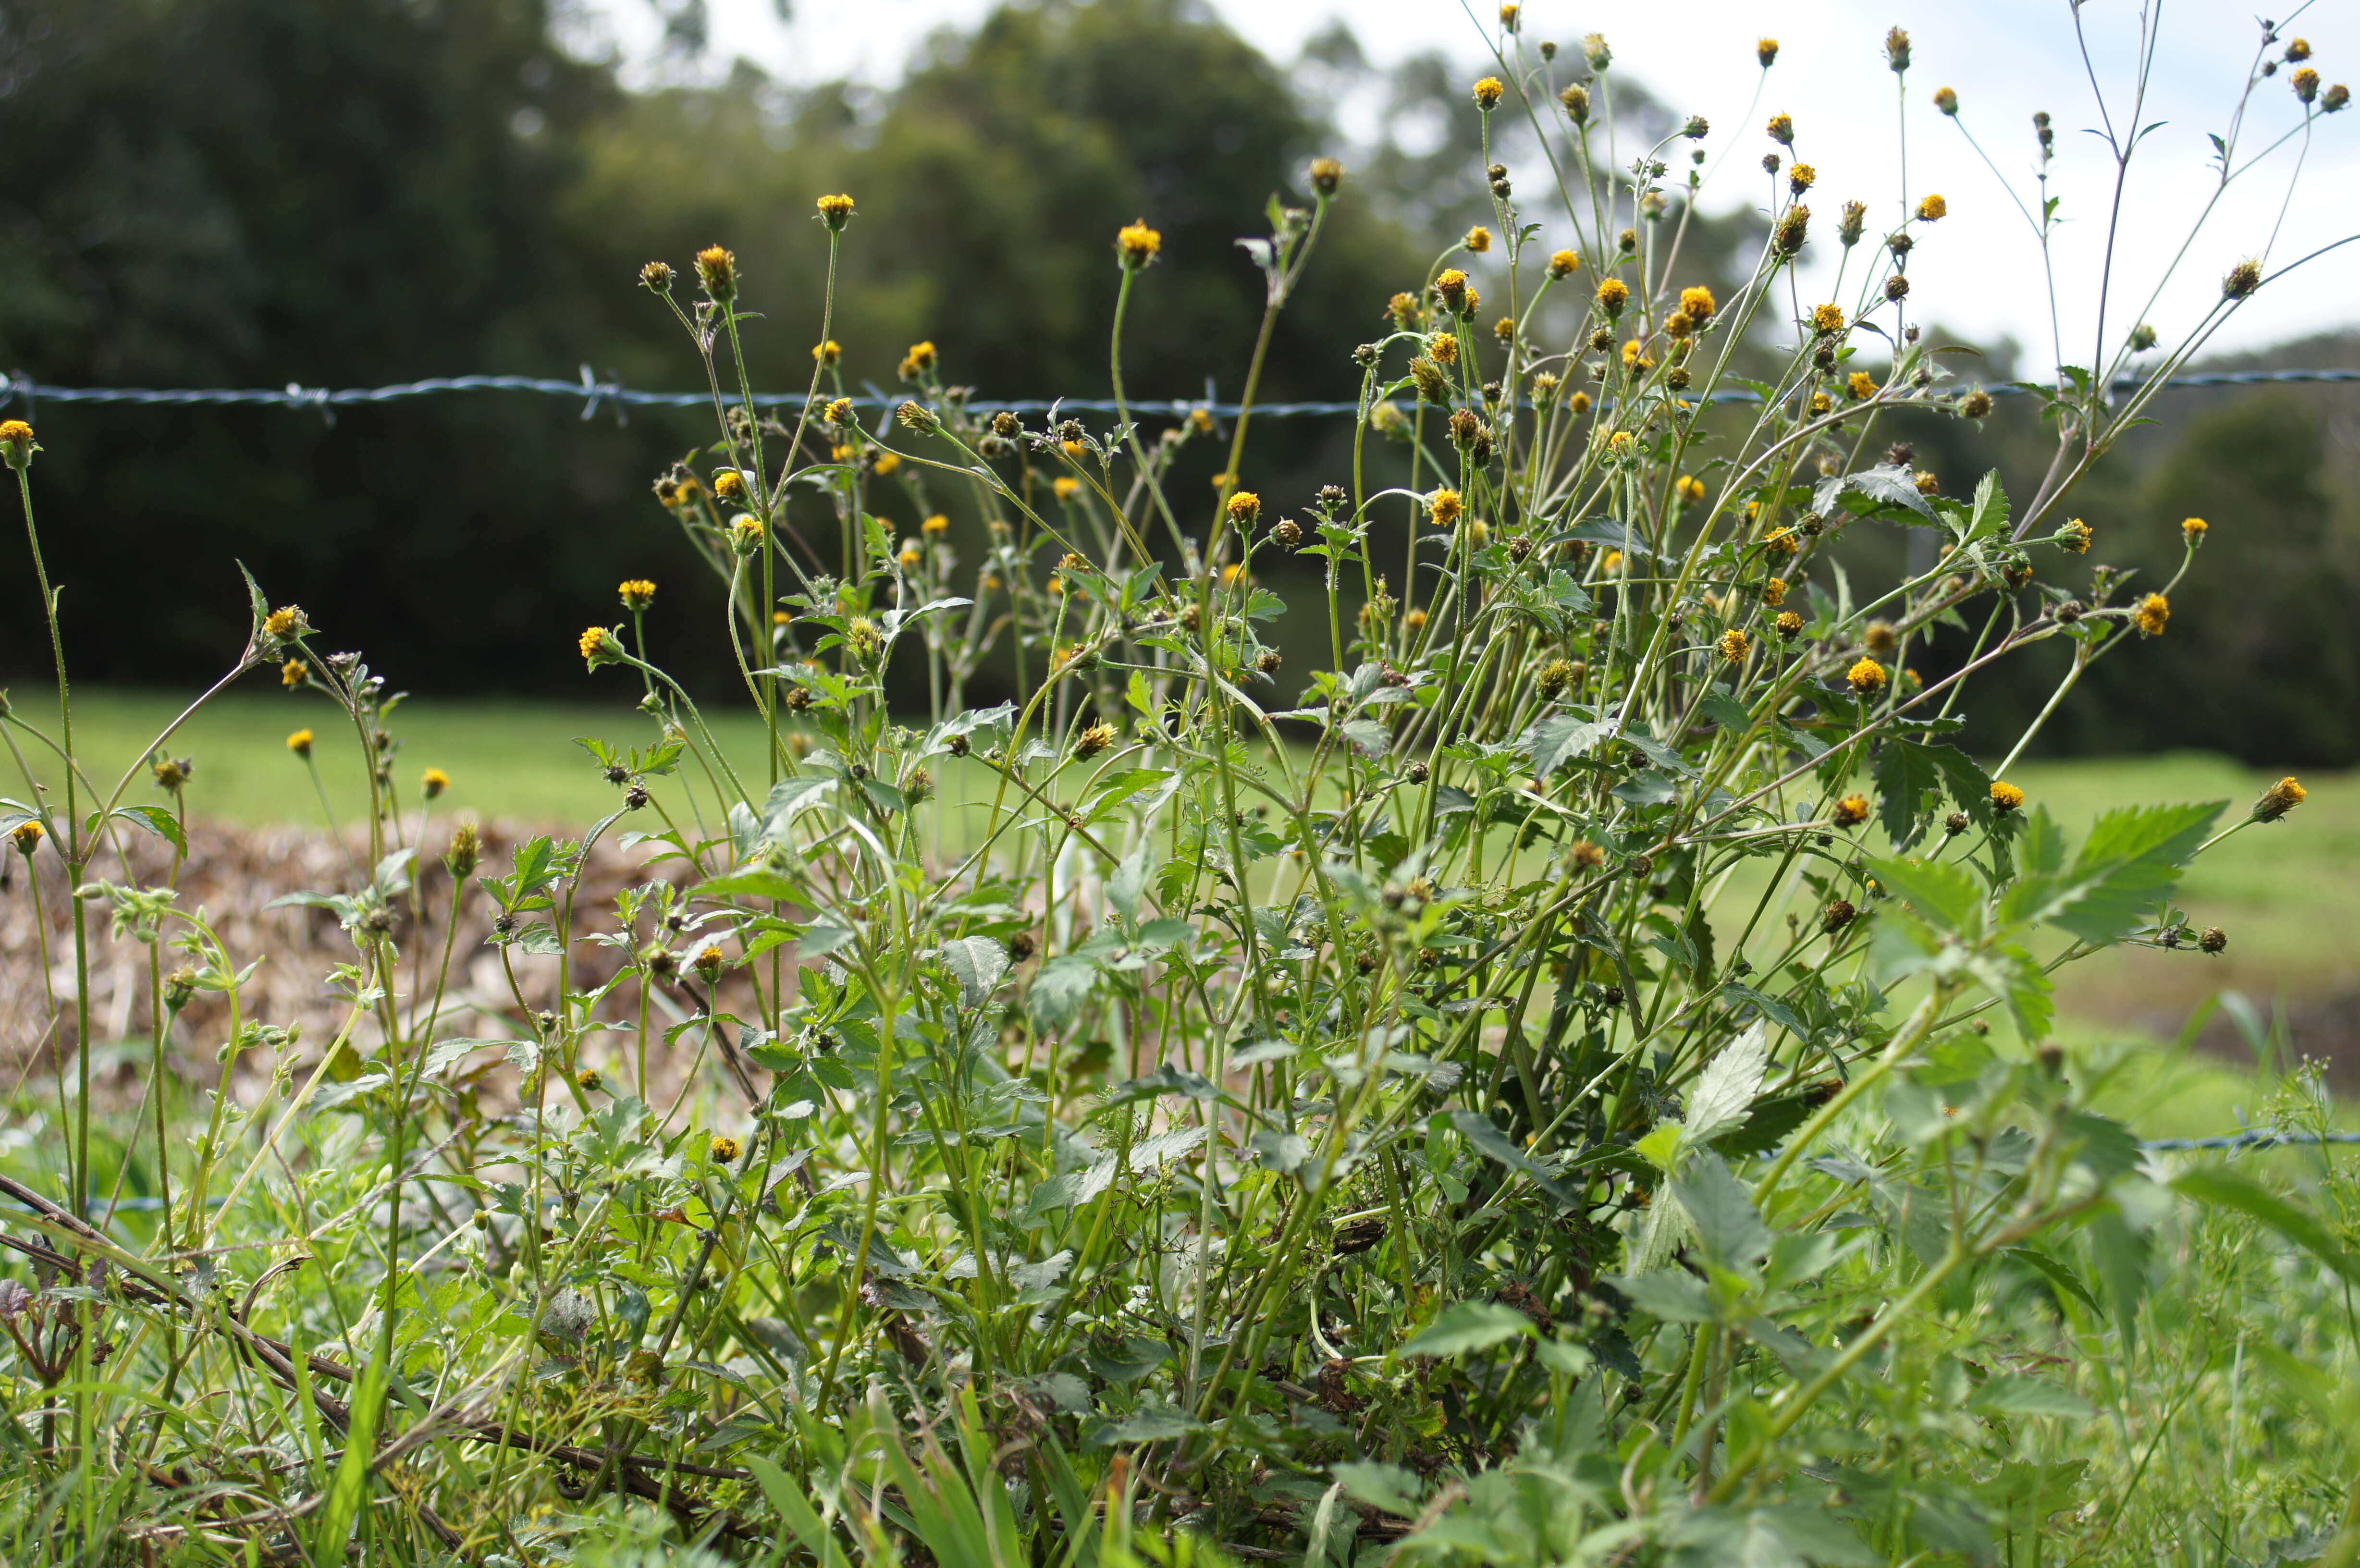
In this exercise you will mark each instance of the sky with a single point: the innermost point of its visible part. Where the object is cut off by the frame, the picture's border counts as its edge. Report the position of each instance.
(2003, 58)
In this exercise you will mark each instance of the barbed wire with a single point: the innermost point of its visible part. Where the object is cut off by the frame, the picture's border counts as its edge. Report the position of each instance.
(2252, 1138)
(594, 392)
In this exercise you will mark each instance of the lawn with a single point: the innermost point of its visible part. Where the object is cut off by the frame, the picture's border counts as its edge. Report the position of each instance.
(2282, 892)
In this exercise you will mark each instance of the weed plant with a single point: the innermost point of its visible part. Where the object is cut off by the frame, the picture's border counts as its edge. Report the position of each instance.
(1525, 1093)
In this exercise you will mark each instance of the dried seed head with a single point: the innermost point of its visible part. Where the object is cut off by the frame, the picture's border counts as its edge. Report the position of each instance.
(2242, 280)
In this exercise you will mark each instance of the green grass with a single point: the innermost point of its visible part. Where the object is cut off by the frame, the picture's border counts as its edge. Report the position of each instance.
(2282, 892)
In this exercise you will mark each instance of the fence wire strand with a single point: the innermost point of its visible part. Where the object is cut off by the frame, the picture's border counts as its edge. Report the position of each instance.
(593, 392)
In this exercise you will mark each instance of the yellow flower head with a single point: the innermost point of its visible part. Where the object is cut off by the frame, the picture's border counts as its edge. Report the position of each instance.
(1774, 591)
(1136, 245)
(433, 782)
(2077, 536)
(1244, 508)
(26, 836)
(1066, 487)
(293, 673)
(1821, 402)
(1866, 675)
(836, 211)
(888, 464)
(636, 593)
(1734, 645)
(299, 743)
(2006, 797)
(284, 621)
(1946, 99)
(1233, 574)
(591, 1080)
(828, 353)
(1443, 507)
(1611, 561)
(1564, 262)
(921, 354)
(1766, 51)
(1689, 487)
(1783, 544)
(2193, 530)
(1444, 347)
(2154, 614)
(1789, 624)
(937, 524)
(716, 269)
(1932, 209)
(2276, 800)
(1478, 239)
(1095, 739)
(1327, 175)
(1861, 388)
(1579, 404)
(1614, 294)
(839, 413)
(745, 533)
(592, 641)
(724, 1151)
(729, 484)
(1488, 92)
(1801, 176)
(1698, 304)
(1634, 357)
(1200, 420)
(1828, 319)
(1781, 128)
(1851, 810)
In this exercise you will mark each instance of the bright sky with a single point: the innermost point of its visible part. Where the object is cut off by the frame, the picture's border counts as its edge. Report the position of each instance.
(2005, 58)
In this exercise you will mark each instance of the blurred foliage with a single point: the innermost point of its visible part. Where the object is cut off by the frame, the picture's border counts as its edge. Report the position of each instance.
(249, 192)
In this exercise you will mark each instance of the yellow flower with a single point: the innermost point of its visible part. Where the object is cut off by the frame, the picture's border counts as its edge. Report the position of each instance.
(887, 463)
(1766, 51)
(26, 834)
(1781, 130)
(1928, 484)
(910, 558)
(1946, 99)
(1689, 487)
(1564, 262)
(1698, 304)
(1783, 543)
(716, 269)
(860, 634)
(293, 673)
(1136, 245)
(1774, 591)
(1327, 174)
(1789, 624)
(1828, 319)
(1232, 574)
(636, 593)
(1801, 178)
(284, 621)
(1444, 347)
(729, 484)
(592, 641)
(1066, 487)
(2276, 800)
(1244, 508)
(1413, 621)
(1614, 294)
(1622, 443)
(745, 533)
(1734, 645)
(299, 743)
(1093, 740)
(937, 524)
(1443, 507)
(1488, 92)
(2195, 530)
(1610, 563)
(836, 211)
(828, 353)
(1866, 675)
(1634, 360)
(918, 360)
(1851, 810)
(1200, 420)
(1933, 210)
(16, 444)
(433, 782)
(2154, 614)
(1579, 404)
(2006, 797)
(724, 1151)
(1821, 402)
(2077, 537)
(591, 1080)
(1478, 239)
(1861, 386)
(1478, 533)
